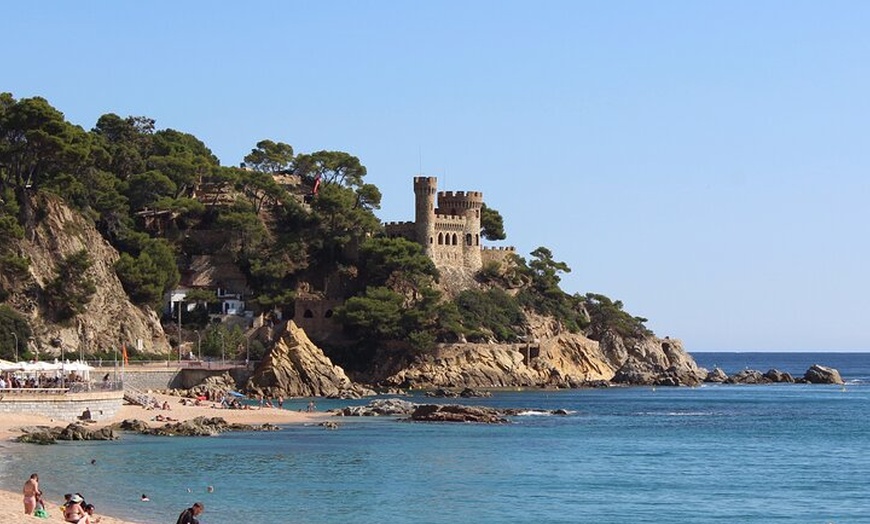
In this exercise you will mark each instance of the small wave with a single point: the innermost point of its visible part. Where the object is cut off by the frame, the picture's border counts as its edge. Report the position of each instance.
(543, 413)
(677, 414)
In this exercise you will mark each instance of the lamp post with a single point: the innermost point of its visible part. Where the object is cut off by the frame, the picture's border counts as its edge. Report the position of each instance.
(199, 346)
(179, 330)
(14, 334)
(247, 351)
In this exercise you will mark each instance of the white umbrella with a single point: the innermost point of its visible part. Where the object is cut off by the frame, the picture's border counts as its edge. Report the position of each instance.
(77, 366)
(6, 365)
(40, 366)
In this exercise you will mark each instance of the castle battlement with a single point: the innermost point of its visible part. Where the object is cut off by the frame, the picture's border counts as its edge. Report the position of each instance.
(470, 195)
(399, 224)
(512, 249)
(449, 218)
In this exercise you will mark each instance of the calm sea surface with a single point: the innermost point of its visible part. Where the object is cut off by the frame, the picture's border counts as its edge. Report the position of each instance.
(729, 454)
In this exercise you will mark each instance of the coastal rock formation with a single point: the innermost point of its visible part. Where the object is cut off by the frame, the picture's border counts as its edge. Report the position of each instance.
(822, 375)
(438, 413)
(45, 435)
(379, 407)
(747, 376)
(777, 376)
(52, 233)
(815, 375)
(457, 413)
(214, 387)
(295, 367)
(717, 375)
(554, 360)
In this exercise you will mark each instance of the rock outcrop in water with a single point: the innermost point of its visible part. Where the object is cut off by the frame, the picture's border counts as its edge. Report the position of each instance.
(822, 375)
(50, 435)
(815, 375)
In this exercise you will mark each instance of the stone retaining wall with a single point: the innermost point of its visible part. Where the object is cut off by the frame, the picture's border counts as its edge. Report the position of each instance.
(149, 379)
(62, 406)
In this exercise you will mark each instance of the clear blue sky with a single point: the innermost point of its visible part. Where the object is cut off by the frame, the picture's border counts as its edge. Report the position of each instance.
(705, 162)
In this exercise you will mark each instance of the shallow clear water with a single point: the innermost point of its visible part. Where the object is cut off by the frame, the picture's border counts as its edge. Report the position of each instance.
(747, 454)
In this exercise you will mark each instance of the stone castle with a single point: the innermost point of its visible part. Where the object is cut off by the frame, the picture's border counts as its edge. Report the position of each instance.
(448, 228)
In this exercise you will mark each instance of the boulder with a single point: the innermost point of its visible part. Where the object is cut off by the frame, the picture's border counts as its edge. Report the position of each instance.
(775, 375)
(717, 376)
(817, 374)
(747, 376)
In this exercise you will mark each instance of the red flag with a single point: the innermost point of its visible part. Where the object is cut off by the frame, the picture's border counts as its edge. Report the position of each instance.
(124, 353)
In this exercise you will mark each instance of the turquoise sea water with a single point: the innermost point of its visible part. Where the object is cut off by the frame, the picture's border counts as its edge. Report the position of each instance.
(729, 454)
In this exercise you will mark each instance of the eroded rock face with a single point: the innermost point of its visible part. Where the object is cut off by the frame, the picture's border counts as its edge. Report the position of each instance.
(822, 375)
(295, 367)
(563, 360)
(53, 233)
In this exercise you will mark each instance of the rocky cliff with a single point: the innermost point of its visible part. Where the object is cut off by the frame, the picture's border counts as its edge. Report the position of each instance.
(295, 367)
(565, 360)
(51, 233)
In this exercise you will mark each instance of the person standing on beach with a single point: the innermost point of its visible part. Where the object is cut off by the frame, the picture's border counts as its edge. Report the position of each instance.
(31, 490)
(189, 515)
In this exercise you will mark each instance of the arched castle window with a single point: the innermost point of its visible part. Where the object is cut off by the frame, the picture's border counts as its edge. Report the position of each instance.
(440, 239)
(455, 243)
(328, 314)
(468, 239)
(308, 314)
(476, 240)
(431, 240)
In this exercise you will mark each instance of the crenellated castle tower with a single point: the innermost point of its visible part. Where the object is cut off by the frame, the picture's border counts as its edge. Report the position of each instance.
(447, 225)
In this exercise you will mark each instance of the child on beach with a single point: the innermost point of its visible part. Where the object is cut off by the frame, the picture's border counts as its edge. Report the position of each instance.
(40, 507)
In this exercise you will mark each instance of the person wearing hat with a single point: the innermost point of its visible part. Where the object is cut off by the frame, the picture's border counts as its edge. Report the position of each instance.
(73, 511)
(189, 515)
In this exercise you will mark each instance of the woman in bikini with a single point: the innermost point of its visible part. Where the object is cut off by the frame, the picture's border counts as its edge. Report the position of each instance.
(31, 490)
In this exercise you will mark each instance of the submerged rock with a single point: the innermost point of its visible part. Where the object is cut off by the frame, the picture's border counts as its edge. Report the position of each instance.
(457, 413)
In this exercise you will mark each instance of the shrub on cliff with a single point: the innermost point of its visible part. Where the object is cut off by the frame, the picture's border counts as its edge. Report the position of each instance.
(68, 294)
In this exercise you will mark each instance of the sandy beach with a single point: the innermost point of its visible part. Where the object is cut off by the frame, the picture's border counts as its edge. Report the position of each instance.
(11, 506)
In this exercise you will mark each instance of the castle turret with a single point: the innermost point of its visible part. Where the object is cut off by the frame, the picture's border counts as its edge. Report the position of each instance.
(466, 204)
(425, 188)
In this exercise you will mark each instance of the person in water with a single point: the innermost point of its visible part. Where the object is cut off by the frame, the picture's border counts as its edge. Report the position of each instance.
(31, 491)
(189, 515)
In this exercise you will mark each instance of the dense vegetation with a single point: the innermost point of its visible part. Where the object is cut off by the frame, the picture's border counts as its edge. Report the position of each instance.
(160, 197)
